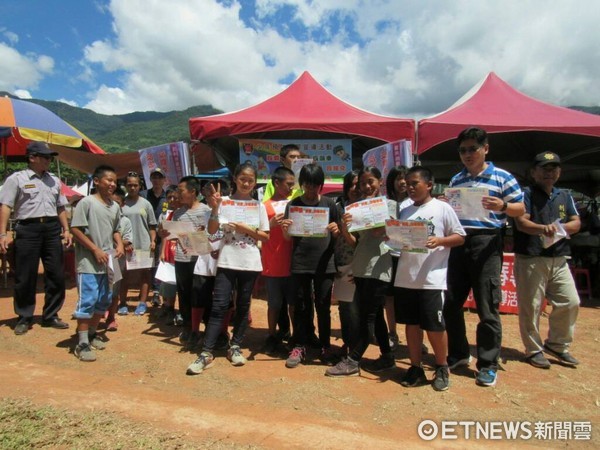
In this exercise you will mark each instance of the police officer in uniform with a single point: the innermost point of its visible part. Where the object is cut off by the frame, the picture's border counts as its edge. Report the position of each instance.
(34, 197)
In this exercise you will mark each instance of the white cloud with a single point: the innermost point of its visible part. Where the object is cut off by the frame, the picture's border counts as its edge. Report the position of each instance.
(68, 102)
(22, 93)
(22, 71)
(413, 58)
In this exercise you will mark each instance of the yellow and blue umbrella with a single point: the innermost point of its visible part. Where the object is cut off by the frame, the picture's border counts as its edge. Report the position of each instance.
(22, 121)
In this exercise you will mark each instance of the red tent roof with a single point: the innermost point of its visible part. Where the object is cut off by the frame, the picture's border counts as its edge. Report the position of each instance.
(497, 107)
(304, 105)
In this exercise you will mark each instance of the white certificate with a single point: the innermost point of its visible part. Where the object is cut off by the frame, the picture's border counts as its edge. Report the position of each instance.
(165, 272)
(308, 221)
(561, 233)
(195, 243)
(368, 213)
(140, 259)
(175, 227)
(240, 211)
(407, 235)
(466, 202)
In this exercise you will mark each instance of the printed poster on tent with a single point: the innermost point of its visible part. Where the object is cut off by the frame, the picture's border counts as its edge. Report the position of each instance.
(334, 155)
(384, 157)
(172, 158)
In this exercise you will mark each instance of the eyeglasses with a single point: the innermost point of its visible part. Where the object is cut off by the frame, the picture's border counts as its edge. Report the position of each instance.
(472, 149)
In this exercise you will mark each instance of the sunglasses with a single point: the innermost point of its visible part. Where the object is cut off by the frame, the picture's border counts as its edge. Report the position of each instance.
(132, 174)
(472, 149)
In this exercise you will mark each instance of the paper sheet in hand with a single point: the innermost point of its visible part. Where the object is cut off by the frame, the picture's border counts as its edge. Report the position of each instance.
(466, 202)
(407, 235)
(240, 211)
(165, 272)
(279, 207)
(561, 233)
(176, 227)
(308, 221)
(140, 259)
(114, 269)
(368, 213)
(195, 243)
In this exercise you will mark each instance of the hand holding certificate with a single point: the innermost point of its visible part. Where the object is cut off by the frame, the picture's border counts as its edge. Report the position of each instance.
(368, 213)
(308, 221)
(407, 235)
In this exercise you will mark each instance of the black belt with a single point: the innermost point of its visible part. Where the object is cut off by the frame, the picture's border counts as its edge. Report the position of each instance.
(483, 231)
(39, 220)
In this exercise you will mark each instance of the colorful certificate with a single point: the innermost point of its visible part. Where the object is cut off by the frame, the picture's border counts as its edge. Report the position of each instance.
(407, 235)
(240, 211)
(308, 221)
(466, 202)
(368, 213)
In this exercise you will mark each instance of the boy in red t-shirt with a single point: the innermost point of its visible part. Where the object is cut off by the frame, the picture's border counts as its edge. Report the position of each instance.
(276, 255)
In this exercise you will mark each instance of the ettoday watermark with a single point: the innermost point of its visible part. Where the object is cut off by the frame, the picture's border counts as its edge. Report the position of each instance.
(429, 430)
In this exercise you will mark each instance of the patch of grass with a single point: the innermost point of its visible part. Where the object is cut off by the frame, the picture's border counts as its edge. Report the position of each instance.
(26, 425)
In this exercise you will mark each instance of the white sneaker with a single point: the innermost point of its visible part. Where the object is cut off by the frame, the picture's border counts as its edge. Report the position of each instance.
(234, 354)
(204, 361)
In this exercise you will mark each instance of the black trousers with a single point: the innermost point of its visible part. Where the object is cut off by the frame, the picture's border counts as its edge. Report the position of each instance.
(305, 287)
(475, 265)
(371, 300)
(32, 242)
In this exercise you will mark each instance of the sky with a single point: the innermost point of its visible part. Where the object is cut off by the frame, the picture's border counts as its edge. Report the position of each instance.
(394, 57)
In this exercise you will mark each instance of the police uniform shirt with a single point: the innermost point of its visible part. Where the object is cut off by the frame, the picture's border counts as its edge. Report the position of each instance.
(545, 209)
(31, 196)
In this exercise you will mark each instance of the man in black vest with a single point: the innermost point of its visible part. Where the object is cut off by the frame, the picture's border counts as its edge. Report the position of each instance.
(541, 269)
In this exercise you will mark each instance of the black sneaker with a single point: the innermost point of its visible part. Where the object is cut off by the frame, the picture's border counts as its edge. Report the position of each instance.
(415, 376)
(455, 363)
(538, 360)
(441, 379)
(381, 364)
(564, 357)
(329, 357)
(184, 336)
(178, 320)
(394, 341)
(271, 345)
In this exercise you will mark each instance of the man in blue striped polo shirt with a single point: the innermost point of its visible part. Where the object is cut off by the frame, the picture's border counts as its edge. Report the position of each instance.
(477, 264)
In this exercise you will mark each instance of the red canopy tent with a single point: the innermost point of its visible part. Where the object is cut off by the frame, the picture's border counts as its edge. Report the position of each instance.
(304, 110)
(519, 127)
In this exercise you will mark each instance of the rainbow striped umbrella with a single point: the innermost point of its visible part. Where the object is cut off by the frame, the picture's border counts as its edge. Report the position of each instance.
(22, 121)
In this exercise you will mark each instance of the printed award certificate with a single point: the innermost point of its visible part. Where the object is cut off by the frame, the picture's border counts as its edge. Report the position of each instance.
(407, 235)
(466, 202)
(240, 211)
(308, 221)
(368, 213)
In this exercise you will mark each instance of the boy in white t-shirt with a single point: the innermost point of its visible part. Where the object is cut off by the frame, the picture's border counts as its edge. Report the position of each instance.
(421, 278)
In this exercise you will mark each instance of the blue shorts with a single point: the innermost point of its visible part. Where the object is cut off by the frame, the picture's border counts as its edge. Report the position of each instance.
(94, 295)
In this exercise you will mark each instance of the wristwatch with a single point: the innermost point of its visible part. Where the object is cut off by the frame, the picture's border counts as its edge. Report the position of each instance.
(504, 206)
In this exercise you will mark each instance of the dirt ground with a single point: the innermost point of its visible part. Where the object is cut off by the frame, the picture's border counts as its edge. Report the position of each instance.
(141, 377)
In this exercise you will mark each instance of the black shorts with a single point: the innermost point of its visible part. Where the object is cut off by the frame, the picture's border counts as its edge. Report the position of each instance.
(423, 307)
